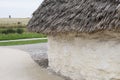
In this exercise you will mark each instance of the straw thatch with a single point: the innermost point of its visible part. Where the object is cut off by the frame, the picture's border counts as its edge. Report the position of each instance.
(54, 16)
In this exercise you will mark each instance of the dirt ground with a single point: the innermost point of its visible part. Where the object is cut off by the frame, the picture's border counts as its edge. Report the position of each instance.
(18, 65)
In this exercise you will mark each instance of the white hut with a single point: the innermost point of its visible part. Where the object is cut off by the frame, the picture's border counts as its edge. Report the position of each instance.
(83, 37)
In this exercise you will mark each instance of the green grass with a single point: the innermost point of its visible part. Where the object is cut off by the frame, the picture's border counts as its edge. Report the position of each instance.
(20, 36)
(15, 23)
(22, 42)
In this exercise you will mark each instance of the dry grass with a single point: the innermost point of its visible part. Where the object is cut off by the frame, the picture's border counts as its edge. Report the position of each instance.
(13, 22)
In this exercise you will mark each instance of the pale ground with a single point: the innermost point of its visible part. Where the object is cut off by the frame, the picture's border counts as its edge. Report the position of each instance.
(18, 65)
(35, 50)
(23, 39)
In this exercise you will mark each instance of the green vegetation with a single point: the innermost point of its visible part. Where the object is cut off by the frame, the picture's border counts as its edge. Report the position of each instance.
(15, 28)
(20, 36)
(5, 29)
(22, 42)
(11, 30)
(19, 31)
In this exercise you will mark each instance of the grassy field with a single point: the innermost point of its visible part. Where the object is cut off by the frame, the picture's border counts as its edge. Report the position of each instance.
(13, 22)
(20, 36)
(22, 42)
(6, 25)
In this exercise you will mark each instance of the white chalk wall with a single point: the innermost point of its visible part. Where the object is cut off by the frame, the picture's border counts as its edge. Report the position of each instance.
(85, 57)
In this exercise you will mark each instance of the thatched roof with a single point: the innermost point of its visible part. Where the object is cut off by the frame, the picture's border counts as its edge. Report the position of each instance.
(54, 16)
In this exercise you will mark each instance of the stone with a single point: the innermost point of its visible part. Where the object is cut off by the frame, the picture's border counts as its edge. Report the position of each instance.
(41, 59)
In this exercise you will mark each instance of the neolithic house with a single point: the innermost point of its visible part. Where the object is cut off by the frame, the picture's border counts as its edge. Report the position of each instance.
(83, 37)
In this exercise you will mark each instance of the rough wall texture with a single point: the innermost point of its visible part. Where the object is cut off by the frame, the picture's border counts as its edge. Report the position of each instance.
(94, 57)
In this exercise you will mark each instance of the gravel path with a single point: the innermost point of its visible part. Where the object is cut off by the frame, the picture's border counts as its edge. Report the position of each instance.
(33, 49)
(37, 51)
